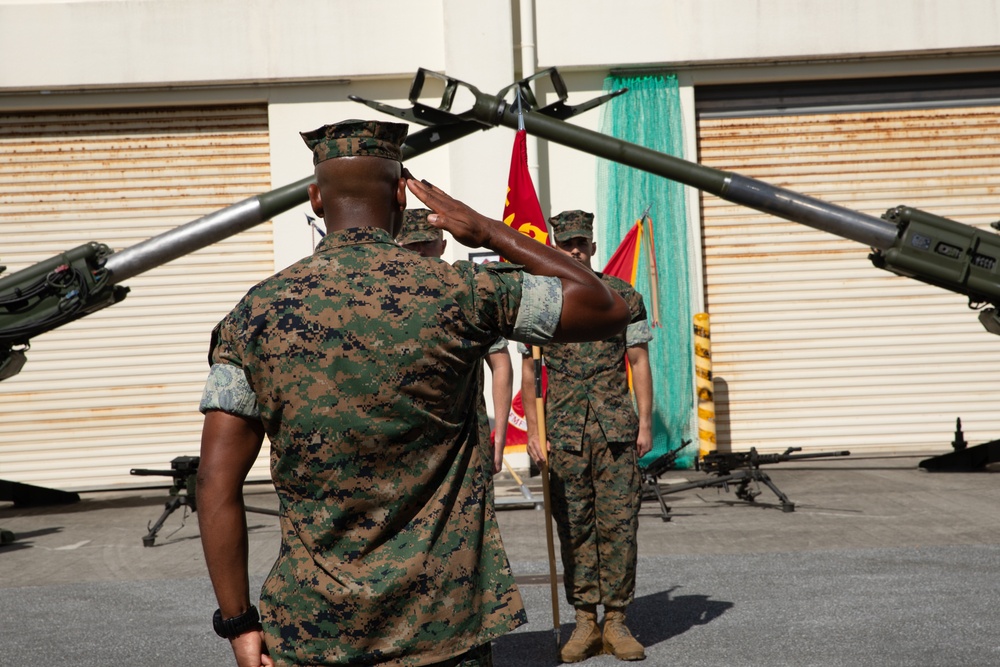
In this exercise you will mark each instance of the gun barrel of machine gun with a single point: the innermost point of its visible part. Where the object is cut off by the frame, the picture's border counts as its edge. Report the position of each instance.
(722, 463)
(664, 462)
(144, 472)
(788, 455)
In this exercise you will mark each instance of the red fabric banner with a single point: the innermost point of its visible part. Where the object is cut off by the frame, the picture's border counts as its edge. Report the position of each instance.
(625, 262)
(521, 209)
(523, 213)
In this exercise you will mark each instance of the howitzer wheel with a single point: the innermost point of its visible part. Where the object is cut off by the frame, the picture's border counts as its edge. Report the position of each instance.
(6, 537)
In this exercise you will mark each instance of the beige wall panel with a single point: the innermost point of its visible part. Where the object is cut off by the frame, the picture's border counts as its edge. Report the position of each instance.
(812, 346)
(119, 388)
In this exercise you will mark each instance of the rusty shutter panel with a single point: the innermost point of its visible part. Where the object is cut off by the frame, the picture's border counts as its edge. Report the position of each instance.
(813, 346)
(120, 388)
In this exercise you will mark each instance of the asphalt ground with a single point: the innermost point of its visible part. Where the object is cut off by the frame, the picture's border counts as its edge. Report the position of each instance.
(880, 563)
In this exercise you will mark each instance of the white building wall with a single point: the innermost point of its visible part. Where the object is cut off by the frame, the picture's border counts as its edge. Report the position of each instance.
(594, 33)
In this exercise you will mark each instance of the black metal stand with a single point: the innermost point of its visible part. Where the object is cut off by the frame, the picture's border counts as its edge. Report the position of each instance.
(741, 479)
(651, 477)
(183, 492)
(964, 458)
(28, 495)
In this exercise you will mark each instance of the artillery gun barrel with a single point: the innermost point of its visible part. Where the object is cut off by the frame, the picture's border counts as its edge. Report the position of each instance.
(856, 226)
(205, 231)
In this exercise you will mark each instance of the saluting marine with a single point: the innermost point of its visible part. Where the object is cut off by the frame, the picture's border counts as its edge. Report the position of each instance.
(358, 363)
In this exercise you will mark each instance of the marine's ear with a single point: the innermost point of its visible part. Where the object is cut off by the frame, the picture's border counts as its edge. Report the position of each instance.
(315, 199)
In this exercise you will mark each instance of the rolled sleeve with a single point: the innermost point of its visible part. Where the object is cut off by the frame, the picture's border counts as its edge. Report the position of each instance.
(541, 306)
(227, 389)
(500, 344)
(638, 333)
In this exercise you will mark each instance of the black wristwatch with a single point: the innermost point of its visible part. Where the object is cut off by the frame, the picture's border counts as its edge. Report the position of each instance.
(231, 628)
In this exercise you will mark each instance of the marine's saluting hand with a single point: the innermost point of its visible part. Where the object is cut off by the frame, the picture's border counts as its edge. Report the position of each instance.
(466, 225)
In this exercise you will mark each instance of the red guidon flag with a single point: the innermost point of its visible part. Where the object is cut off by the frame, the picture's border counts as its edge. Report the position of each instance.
(523, 213)
(625, 262)
(521, 210)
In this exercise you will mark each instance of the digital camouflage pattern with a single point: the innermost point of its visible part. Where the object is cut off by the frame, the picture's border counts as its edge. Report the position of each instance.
(572, 224)
(416, 229)
(352, 138)
(592, 425)
(590, 378)
(365, 360)
(595, 501)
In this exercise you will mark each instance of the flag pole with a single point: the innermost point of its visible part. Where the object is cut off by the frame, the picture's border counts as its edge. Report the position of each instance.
(536, 355)
(654, 280)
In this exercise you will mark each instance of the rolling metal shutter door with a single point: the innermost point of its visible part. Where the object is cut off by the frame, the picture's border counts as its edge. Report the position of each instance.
(812, 346)
(119, 389)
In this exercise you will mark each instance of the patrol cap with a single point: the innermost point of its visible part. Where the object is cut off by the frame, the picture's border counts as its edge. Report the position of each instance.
(416, 229)
(571, 224)
(351, 138)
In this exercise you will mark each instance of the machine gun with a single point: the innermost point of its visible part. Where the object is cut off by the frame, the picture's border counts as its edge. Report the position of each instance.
(742, 468)
(651, 476)
(183, 492)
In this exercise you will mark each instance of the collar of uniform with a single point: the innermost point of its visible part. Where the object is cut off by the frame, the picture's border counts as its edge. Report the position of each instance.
(354, 236)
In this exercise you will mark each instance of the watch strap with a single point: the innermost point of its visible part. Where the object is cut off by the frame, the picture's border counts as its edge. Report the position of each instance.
(230, 628)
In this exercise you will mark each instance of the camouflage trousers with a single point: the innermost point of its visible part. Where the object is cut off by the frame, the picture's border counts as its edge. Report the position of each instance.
(595, 501)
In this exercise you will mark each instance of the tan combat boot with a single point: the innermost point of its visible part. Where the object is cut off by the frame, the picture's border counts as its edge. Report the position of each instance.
(586, 638)
(618, 640)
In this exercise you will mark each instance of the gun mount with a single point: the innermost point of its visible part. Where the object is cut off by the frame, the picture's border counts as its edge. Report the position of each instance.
(183, 493)
(742, 468)
(905, 241)
(651, 476)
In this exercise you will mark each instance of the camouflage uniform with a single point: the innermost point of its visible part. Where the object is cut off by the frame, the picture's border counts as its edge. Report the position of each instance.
(417, 230)
(592, 425)
(360, 361)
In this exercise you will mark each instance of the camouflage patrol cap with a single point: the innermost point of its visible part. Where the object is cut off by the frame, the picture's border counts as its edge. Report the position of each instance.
(350, 138)
(571, 224)
(416, 229)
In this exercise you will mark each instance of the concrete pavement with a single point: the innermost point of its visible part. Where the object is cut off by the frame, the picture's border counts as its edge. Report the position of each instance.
(880, 564)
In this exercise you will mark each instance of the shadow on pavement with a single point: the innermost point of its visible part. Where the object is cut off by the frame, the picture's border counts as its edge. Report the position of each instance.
(652, 618)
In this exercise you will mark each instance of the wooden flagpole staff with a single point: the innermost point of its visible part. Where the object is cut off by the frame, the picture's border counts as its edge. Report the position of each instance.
(536, 355)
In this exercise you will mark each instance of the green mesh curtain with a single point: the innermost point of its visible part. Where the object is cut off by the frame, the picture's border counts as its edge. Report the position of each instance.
(649, 114)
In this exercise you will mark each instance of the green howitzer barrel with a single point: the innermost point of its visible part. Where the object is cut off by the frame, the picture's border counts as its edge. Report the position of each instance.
(86, 279)
(905, 241)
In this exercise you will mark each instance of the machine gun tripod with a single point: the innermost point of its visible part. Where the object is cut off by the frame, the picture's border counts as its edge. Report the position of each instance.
(183, 492)
(651, 476)
(742, 468)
